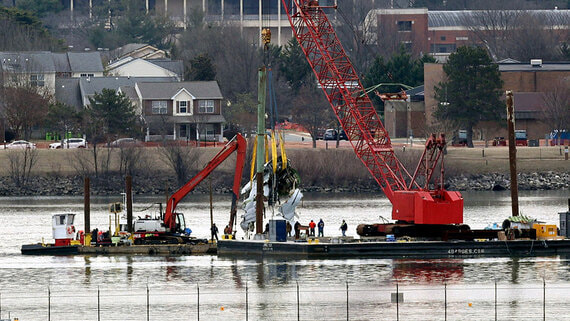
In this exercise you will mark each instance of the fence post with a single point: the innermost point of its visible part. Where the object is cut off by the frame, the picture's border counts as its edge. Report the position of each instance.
(298, 314)
(495, 300)
(198, 300)
(49, 304)
(346, 300)
(445, 300)
(397, 303)
(246, 302)
(543, 299)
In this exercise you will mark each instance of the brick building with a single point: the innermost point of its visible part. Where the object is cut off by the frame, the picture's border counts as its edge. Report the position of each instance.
(528, 82)
(442, 32)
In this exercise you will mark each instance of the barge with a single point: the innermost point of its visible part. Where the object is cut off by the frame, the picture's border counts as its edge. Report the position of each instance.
(338, 248)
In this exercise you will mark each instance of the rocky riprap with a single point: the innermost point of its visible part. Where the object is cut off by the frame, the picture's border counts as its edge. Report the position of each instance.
(114, 185)
(499, 181)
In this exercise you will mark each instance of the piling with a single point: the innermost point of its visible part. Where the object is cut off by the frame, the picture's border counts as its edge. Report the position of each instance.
(86, 205)
(129, 188)
(512, 154)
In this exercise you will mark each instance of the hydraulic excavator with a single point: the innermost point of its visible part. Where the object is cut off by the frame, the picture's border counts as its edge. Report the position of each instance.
(171, 226)
(420, 204)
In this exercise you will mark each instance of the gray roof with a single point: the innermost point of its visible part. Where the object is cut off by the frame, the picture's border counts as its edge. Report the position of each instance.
(60, 62)
(92, 85)
(467, 18)
(85, 61)
(176, 66)
(47, 62)
(546, 66)
(130, 92)
(199, 89)
(67, 92)
(25, 62)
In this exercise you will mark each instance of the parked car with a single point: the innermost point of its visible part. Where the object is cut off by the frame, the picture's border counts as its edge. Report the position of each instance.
(20, 144)
(330, 134)
(125, 142)
(70, 143)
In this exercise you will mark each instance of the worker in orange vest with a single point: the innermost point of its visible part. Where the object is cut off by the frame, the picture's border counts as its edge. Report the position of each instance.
(312, 226)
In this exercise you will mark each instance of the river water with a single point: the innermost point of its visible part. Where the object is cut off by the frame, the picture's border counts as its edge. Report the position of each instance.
(224, 288)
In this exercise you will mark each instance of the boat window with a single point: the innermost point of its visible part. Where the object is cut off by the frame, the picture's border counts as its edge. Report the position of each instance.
(61, 219)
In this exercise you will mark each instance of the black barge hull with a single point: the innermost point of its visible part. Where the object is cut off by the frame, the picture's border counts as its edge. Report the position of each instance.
(396, 249)
(49, 249)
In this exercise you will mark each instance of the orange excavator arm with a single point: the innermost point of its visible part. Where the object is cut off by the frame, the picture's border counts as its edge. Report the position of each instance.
(238, 144)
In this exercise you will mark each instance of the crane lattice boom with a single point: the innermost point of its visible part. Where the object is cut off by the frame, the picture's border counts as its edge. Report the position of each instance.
(362, 125)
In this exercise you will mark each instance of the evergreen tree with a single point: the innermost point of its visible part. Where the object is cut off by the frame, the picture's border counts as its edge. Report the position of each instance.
(110, 113)
(294, 66)
(201, 68)
(400, 69)
(472, 91)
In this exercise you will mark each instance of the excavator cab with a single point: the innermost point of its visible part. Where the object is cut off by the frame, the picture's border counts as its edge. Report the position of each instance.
(180, 223)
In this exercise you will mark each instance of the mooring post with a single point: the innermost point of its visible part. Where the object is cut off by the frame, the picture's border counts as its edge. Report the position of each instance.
(512, 153)
(86, 206)
(129, 190)
(98, 305)
(246, 302)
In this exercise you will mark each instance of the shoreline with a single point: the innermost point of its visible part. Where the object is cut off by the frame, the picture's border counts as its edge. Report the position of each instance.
(114, 185)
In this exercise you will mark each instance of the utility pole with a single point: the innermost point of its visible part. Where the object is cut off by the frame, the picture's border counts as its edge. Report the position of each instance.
(512, 153)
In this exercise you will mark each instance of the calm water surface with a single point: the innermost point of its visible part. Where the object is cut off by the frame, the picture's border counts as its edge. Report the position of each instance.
(271, 284)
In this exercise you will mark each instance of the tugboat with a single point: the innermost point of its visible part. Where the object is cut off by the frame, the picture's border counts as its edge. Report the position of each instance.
(63, 232)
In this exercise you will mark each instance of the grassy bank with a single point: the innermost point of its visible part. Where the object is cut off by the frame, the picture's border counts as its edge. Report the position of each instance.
(317, 167)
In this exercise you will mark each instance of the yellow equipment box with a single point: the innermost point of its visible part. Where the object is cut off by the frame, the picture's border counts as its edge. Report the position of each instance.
(545, 231)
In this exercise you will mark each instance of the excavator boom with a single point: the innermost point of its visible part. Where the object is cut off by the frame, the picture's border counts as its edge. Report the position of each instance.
(238, 144)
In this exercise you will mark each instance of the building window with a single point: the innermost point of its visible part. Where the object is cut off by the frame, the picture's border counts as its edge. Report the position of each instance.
(37, 80)
(87, 75)
(461, 38)
(183, 106)
(206, 106)
(442, 38)
(159, 107)
(404, 26)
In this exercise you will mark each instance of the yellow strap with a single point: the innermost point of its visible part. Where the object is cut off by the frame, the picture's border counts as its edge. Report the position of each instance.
(273, 151)
(266, 149)
(283, 155)
(253, 158)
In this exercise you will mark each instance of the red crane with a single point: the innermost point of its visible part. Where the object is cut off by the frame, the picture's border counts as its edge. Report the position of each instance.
(412, 196)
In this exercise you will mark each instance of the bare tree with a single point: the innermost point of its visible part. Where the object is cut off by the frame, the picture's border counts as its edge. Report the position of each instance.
(180, 159)
(516, 34)
(24, 107)
(21, 164)
(312, 111)
(556, 112)
(131, 160)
